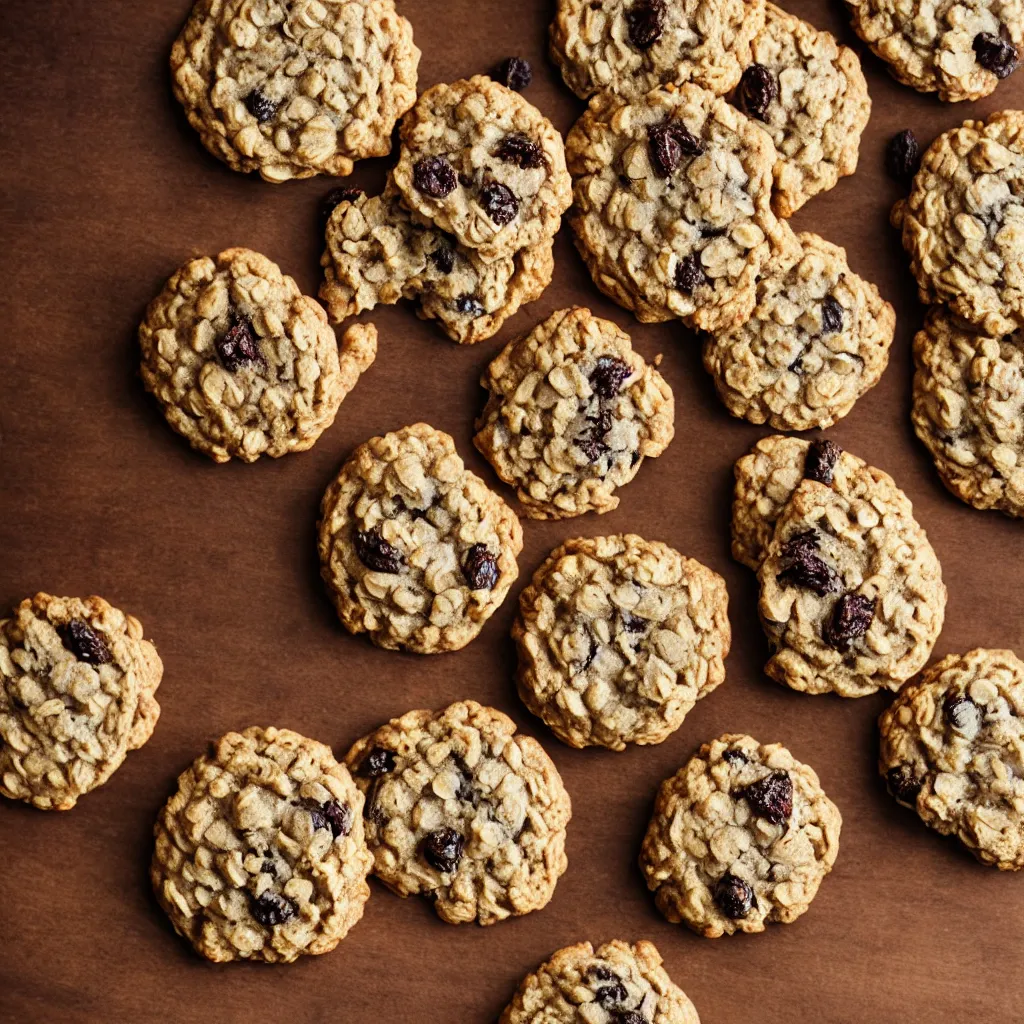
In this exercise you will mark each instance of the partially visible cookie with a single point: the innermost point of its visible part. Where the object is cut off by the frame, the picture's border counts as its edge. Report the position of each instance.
(963, 223)
(463, 810)
(572, 411)
(952, 748)
(742, 835)
(293, 88)
(810, 95)
(969, 411)
(77, 692)
(260, 854)
(415, 550)
(618, 638)
(617, 983)
(816, 341)
(629, 47)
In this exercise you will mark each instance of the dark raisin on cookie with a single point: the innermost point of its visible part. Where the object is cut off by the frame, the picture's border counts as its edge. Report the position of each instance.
(758, 89)
(376, 553)
(239, 345)
(599, 973)
(260, 106)
(690, 274)
(633, 623)
(668, 143)
(85, 643)
(443, 257)
(903, 784)
(499, 202)
(514, 73)
(442, 849)
(631, 1017)
(517, 148)
(831, 316)
(480, 568)
(962, 713)
(593, 443)
(820, 463)
(334, 199)
(805, 568)
(771, 798)
(645, 21)
(608, 376)
(995, 54)
(734, 897)
(380, 762)
(469, 306)
(851, 619)
(271, 908)
(337, 817)
(609, 996)
(903, 156)
(434, 177)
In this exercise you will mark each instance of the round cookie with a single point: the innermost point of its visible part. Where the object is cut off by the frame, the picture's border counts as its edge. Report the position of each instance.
(969, 411)
(741, 835)
(810, 95)
(672, 206)
(415, 550)
(77, 692)
(852, 598)
(618, 638)
(242, 362)
(462, 810)
(572, 412)
(260, 854)
(952, 748)
(483, 164)
(293, 88)
(960, 49)
(618, 983)
(817, 340)
(963, 223)
(629, 47)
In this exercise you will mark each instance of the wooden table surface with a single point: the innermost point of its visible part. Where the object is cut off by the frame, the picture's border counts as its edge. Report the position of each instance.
(104, 191)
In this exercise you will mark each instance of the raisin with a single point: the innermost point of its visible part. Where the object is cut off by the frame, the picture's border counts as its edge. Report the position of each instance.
(903, 156)
(633, 624)
(667, 144)
(337, 817)
(631, 1017)
(903, 784)
(334, 199)
(758, 89)
(736, 758)
(831, 316)
(600, 973)
(261, 107)
(611, 995)
(520, 150)
(468, 305)
(645, 21)
(481, 568)
(380, 762)
(376, 553)
(238, 345)
(806, 568)
(272, 908)
(963, 714)
(443, 849)
(821, 460)
(593, 443)
(690, 274)
(608, 376)
(443, 257)
(85, 643)
(996, 55)
(771, 797)
(734, 897)
(851, 619)
(499, 202)
(434, 176)
(514, 73)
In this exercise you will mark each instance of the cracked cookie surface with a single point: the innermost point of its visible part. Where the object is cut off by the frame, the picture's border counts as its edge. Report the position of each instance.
(415, 550)
(672, 209)
(260, 854)
(618, 638)
(742, 835)
(617, 983)
(816, 341)
(293, 88)
(572, 413)
(463, 810)
(969, 411)
(952, 748)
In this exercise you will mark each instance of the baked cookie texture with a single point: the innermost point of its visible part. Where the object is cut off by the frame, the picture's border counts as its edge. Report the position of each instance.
(617, 982)
(415, 550)
(817, 340)
(629, 47)
(742, 835)
(618, 638)
(963, 223)
(810, 95)
(293, 88)
(960, 49)
(78, 686)
(672, 209)
(242, 363)
(571, 414)
(463, 810)
(969, 411)
(260, 854)
(952, 748)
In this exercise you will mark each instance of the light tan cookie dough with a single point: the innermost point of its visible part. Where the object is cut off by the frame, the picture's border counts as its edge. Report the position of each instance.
(672, 206)
(852, 598)
(741, 835)
(960, 49)
(242, 363)
(617, 983)
(618, 638)
(809, 94)
(963, 223)
(483, 164)
(629, 47)
(817, 340)
(260, 854)
(969, 411)
(462, 810)
(293, 88)
(415, 550)
(572, 412)
(952, 748)
(377, 254)
(77, 692)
